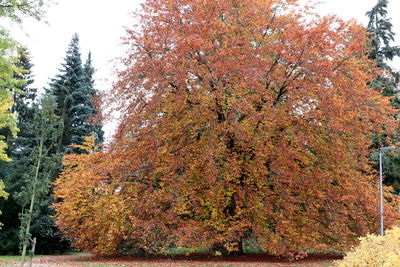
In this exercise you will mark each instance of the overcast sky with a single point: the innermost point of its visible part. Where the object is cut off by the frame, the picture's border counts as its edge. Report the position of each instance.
(100, 25)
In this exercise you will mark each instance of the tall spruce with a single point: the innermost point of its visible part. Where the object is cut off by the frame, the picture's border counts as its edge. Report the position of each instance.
(382, 52)
(74, 92)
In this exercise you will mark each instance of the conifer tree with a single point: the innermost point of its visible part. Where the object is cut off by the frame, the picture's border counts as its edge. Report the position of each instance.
(12, 10)
(67, 87)
(74, 91)
(18, 173)
(24, 98)
(95, 116)
(47, 128)
(19, 148)
(382, 52)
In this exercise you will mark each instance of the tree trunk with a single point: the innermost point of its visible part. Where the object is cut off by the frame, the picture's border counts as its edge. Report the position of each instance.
(222, 248)
(25, 240)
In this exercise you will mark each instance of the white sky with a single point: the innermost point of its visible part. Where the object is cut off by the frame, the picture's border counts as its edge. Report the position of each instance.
(100, 25)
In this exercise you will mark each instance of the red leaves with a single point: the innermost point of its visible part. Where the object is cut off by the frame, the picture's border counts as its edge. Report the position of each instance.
(237, 120)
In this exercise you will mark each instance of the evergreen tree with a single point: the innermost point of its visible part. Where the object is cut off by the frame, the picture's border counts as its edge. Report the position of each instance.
(47, 128)
(24, 98)
(382, 36)
(15, 172)
(12, 10)
(382, 52)
(18, 174)
(95, 116)
(74, 92)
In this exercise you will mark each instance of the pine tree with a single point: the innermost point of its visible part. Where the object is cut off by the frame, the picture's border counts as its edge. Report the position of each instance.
(382, 52)
(74, 91)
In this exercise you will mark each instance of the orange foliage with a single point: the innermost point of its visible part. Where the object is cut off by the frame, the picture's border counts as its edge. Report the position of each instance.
(239, 118)
(100, 206)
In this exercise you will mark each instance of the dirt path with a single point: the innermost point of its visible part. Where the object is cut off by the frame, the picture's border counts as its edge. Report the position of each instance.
(86, 260)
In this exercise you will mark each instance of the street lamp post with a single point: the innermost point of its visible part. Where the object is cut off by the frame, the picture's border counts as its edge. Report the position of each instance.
(380, 184)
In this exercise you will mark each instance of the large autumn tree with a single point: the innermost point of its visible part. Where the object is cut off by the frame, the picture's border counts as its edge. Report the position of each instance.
(239, 119)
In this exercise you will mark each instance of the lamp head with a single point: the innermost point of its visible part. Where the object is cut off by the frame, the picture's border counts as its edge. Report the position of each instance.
(387, 148)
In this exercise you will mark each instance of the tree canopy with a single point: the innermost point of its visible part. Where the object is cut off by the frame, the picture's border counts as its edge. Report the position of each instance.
(14, 10)
(17, 9)
(239, 119)
(16, 172)
(3, 194)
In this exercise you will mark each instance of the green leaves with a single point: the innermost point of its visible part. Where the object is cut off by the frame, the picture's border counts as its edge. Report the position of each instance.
(7, 120)
(10, 73)
(3, 194)
(17, 9)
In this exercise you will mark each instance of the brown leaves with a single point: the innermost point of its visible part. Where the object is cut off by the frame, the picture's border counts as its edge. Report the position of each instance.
(238, 120)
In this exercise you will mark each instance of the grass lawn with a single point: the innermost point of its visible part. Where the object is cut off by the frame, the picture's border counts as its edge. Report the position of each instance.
(8, 259)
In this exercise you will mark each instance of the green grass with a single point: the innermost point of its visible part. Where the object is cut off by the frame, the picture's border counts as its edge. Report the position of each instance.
(249, 247)
(101, 265)
(183, 251)
(9, 259)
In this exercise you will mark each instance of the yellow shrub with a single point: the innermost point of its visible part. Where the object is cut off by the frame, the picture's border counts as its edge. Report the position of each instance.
(382, 251)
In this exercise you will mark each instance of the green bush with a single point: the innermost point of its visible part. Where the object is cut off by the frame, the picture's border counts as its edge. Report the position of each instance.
(373, 250)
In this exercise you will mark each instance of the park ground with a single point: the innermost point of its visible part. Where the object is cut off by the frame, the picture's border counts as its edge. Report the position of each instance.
(86, 260)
